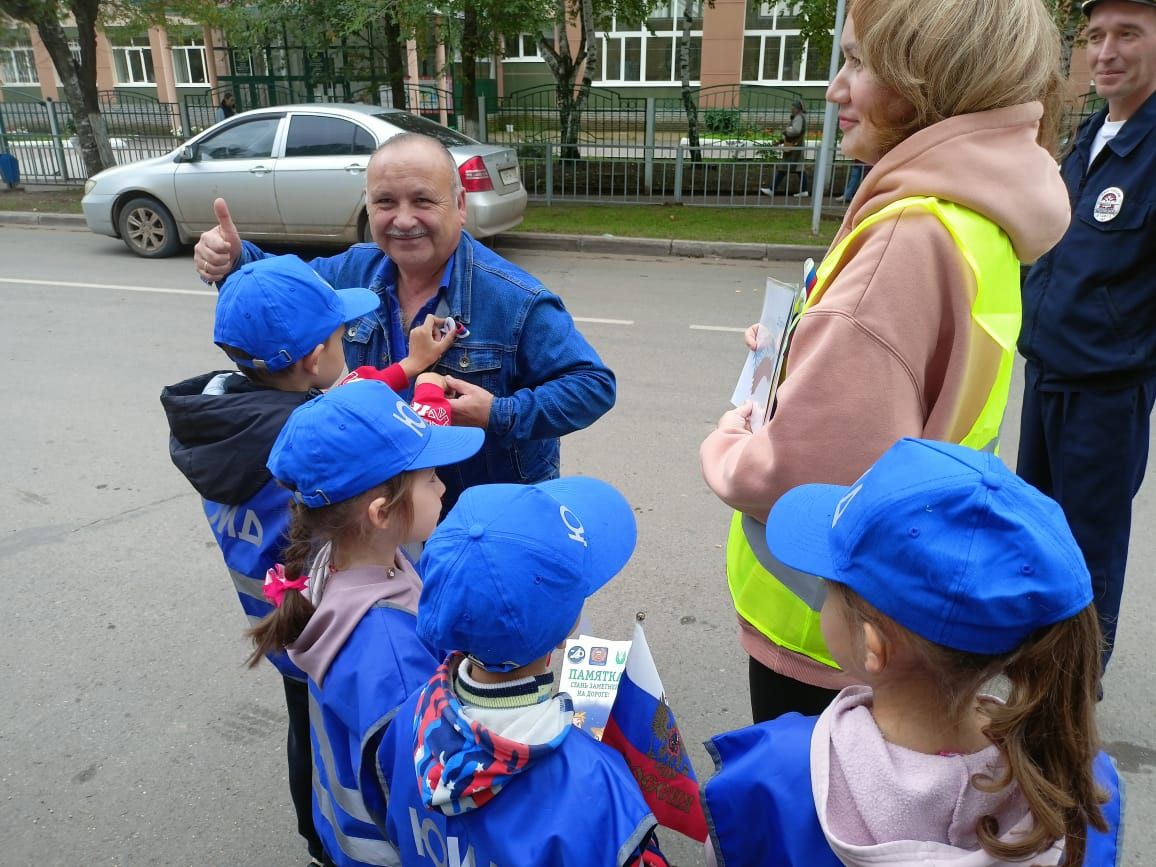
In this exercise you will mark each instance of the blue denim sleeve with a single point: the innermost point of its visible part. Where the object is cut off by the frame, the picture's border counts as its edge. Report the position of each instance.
(560, 384)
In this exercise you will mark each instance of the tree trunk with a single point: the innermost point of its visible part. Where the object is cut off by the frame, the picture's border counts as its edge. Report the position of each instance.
(684, 70)
(469, 111)
(394, 59)
(564, 68)
(587, 59)
(79, 90)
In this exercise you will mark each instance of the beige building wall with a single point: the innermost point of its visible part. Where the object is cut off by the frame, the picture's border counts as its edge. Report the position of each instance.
(722, 47)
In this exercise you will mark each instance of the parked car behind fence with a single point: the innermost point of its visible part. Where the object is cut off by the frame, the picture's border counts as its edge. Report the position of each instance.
(290, 173)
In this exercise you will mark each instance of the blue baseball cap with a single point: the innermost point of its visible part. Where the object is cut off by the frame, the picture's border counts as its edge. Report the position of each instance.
(279, 309)
(356, 436)
(945, 540)
(506, 573)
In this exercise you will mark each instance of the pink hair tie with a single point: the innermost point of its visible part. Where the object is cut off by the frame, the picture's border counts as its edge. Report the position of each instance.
(276, 584)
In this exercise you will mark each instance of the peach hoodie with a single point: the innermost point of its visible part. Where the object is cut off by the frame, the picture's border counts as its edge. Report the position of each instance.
(890, 349)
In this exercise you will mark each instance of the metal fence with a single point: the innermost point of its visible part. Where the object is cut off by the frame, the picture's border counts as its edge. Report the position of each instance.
(631, 149)
(732, 176)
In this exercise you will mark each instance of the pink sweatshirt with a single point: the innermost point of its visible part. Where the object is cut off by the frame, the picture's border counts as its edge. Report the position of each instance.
(890, 349)
(882, 804)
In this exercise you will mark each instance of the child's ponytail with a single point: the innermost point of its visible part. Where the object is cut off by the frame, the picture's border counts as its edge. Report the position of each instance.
(285, 624)
(1046, 731)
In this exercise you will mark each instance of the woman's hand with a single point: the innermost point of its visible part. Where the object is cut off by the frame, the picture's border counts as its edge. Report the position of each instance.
(751, 337)
(739, 417)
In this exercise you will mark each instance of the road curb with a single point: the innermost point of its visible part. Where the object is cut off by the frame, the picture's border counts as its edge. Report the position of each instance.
(657, 247)
(611, 244)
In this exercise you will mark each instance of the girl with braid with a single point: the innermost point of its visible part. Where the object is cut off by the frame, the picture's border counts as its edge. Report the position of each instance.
(361, 464)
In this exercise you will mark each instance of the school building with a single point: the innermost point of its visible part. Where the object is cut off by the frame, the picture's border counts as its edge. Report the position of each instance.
(734, 42)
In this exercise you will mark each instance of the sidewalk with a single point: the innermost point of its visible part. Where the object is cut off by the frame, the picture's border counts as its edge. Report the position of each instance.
(604, 244)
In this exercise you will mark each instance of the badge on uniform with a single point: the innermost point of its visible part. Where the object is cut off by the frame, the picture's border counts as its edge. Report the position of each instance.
(1108, 204)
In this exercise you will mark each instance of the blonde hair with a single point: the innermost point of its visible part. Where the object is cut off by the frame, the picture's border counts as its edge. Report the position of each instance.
(953, 57)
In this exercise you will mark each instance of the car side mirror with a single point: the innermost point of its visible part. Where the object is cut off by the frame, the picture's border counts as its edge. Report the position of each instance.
(187, 154)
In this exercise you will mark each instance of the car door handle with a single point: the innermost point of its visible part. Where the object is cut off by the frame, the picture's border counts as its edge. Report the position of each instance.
(260, 170)
(355, 168)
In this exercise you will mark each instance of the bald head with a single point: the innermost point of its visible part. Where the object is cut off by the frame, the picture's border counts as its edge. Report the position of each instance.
(407, 142)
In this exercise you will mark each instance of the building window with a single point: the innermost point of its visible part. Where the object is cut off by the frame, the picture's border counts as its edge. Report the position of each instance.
(189, 61)
(521, 46)
(18, 66)
(134, 62)
(773, 50)
(637, 52)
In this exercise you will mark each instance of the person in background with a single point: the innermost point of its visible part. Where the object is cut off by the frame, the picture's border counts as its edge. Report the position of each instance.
(227, 107)
(794, 153)
(1090, 310)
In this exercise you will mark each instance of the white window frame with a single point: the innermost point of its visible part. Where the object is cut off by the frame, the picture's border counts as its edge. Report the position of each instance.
(181, 49)
(674, 8)
(140, 48)
(520, 55)
(11, 68)
(780, 34)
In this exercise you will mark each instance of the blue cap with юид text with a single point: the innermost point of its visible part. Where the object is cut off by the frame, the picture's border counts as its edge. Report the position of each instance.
(945, 540)
(356, 436)
(278, 310)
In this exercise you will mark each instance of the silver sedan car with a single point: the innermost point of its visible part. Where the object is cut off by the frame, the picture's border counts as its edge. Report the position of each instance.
(289, 173)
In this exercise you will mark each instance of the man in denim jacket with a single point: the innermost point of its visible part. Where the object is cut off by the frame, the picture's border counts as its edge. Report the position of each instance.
(522, 371)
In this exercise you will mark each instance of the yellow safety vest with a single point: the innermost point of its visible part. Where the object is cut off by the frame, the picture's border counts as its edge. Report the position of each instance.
(783, 603)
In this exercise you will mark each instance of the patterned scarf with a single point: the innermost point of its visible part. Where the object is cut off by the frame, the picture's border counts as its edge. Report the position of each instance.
(461, 764)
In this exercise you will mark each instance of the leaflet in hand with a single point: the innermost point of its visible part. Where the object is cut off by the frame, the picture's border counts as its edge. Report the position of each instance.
(591, 668)
(761, 374)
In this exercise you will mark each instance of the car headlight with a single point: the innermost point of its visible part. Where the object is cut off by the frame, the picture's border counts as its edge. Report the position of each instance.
(89, 185)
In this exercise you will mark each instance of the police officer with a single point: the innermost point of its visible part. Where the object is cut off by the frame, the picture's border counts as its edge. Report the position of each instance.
(1089, 332)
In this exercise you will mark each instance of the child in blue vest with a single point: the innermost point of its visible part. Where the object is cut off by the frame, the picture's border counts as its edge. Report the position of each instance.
(282, 325)
(482, 765)
(361, 465)
(945, 571)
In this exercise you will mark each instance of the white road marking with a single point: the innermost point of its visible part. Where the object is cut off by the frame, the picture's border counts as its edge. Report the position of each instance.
(595, 321)
(22, 281)
(717, 328)
(157, 290)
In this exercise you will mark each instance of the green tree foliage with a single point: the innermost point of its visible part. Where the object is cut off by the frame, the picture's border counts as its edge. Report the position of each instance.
(77, 79)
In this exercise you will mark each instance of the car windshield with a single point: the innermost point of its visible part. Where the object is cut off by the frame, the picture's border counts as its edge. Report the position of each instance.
(416, 123)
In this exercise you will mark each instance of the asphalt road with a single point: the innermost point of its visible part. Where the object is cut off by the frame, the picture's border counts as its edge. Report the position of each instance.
(130, 732)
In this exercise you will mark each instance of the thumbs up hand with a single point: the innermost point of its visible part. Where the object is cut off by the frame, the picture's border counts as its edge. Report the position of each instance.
(218, 250)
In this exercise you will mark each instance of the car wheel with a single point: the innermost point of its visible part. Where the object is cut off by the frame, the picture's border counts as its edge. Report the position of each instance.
(148, 229)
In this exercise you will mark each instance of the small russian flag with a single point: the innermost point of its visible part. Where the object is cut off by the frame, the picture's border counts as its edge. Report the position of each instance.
(642, 727)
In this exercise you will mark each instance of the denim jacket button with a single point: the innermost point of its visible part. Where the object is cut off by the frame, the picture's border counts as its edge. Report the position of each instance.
(464, 362)
(351, 331)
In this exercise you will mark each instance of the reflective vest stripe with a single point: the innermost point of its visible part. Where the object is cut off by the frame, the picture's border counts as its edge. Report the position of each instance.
(807, 588)
(376, 852)
(783, 603)
(349, 800)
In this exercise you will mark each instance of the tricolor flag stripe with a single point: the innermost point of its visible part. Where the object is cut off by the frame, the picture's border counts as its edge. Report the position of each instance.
(643, 729)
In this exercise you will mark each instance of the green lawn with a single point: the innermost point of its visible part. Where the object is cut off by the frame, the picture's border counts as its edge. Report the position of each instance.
(56, 201)
(751, 225)
(688, 223)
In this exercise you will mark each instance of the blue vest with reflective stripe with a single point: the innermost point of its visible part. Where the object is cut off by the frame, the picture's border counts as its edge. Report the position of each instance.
(381, 664)
(252, 537)
(578, 806)
(760, 810)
